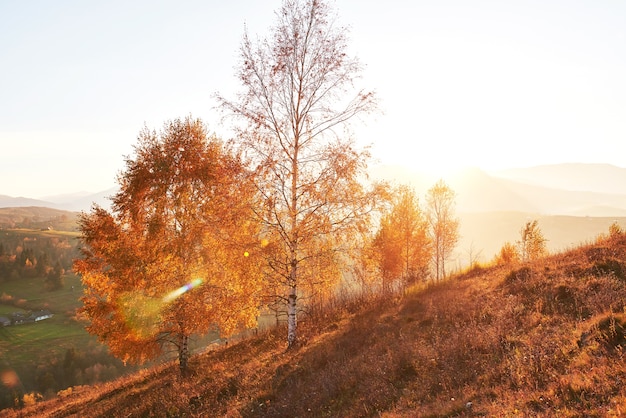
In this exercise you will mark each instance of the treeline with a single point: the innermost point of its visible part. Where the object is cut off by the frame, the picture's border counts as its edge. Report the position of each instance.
(46, 257)
(46, 377)
(30, 254)
(35, 217)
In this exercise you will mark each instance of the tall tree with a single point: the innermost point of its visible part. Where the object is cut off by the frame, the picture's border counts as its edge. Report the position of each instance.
(444, 226)
(174, 257)
(402, 243)
(295, 105)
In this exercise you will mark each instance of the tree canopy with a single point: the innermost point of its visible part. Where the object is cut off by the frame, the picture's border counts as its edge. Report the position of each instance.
(297, 99)
(171, 258)
(402, 244)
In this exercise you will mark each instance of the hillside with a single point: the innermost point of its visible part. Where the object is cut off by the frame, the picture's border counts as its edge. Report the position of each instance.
(38, 217)
(486, 232)
(542, 339)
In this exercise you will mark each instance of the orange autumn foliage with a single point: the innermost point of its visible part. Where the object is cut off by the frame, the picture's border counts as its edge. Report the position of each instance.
(180, 223)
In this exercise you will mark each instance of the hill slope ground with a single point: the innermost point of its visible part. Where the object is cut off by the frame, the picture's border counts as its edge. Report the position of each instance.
(541, 339)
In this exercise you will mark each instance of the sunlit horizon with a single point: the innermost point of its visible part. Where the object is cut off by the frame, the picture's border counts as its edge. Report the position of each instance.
(480, 84)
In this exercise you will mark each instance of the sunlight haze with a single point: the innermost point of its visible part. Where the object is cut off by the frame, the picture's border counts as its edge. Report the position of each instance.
(484, 83)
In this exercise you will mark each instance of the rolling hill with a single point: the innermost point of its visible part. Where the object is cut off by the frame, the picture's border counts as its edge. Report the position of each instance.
(74, 202)
(542, 339)
(37, 217)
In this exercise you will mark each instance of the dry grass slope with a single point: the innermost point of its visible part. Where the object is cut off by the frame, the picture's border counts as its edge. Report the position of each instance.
(543, 339)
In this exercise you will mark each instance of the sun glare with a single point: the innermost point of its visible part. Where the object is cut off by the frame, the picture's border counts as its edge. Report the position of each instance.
(178, 292)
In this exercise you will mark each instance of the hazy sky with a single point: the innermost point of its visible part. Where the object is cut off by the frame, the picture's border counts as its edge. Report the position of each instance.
(492, 84)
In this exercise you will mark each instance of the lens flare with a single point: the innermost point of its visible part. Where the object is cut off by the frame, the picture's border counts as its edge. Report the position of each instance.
(9, 378)
(178, 292)
(142, 313)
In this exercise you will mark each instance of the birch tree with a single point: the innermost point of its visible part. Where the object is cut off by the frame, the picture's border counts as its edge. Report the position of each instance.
(402, 244)
(174, 257)
(444, 226)
(297, 99)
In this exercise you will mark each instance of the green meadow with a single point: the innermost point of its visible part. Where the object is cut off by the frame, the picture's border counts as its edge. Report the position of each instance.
(22, 344)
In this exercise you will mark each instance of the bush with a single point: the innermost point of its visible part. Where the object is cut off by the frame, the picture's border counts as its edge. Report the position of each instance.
(520, 275)
(609, 267)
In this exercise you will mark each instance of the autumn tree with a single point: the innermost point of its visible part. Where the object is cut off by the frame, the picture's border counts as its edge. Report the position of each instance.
(532, 244)
(175, 256)
(54, 278)
(364, 273)
(402, 244)
(508, 255)
(297, 99)
(443, 225)
(615, 230)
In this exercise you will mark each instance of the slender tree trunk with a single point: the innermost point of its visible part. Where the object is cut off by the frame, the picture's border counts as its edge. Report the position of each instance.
(292, 322)
(443, 267)
(437, 258)
(183, 353)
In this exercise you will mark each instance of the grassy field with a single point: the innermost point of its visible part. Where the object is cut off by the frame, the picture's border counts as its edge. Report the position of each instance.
(43, 340)
(25, 349)
(6, 310)
(48, 338)
(34, 294)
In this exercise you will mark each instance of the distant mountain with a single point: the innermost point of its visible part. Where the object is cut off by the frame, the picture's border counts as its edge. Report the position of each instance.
(75, 202)
(16, 202)
(565, 189)
(599, 178)
(82, 201)
(477, 191)
(486, 232)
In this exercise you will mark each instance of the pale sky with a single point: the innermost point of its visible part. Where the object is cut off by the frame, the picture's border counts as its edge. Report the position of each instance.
(492, 84)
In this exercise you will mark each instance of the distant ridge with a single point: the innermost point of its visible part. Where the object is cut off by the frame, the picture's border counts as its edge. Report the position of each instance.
(38, 217)
(599, 178)
(562, 189)
(75, 202)
(16, 202)
(573, 189)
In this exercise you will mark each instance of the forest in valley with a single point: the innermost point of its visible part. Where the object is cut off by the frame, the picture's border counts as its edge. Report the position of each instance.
(45, 355)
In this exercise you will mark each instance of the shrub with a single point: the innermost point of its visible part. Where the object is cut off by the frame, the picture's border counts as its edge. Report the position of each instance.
(508, 255)
(609, 267)
(519, 275)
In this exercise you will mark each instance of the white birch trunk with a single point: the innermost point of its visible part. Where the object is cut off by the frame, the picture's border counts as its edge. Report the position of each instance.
(292, 323)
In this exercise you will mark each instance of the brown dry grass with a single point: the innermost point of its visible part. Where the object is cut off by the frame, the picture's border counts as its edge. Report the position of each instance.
(543, 339)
